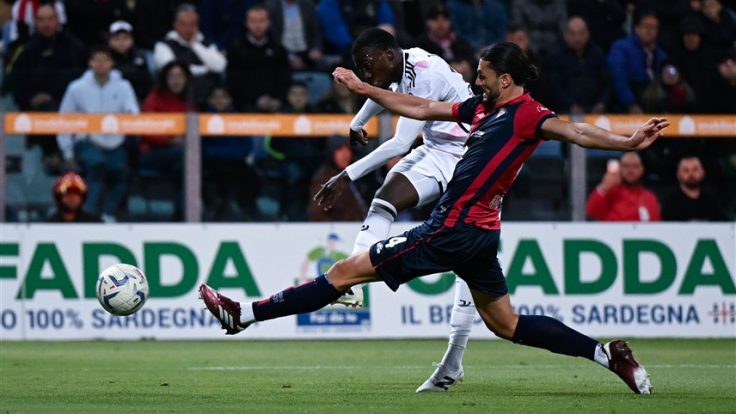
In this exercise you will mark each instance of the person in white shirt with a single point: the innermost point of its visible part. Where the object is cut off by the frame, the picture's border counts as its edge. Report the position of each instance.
(421, 176)
(187, 44)
(101, 157)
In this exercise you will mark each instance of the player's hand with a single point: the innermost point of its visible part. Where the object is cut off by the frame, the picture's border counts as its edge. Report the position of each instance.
(330, 190)
(646, 134)
(348, 78)
(358, 137)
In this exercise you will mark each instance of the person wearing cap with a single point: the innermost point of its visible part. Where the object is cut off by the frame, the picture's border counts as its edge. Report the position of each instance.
(70, 191)
(129, 60)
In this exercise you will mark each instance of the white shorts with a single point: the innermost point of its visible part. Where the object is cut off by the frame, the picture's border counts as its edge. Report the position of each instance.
(428, 170)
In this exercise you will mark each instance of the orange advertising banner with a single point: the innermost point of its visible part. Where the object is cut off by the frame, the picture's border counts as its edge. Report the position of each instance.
(281, 125)
(312, 125)
(44, 123)
(681, 125)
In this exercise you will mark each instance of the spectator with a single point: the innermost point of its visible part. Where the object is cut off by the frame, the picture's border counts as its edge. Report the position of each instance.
(258, 72)
(539, 88)
(70, 191)
(295, 159)
(544, 19)
(221, 20)
(89, 20)
(578, 72)
(349, 205)
(481, 22)
(6, 25)
(339, 101)
(342, 20)
(621, 196)
(130, 61)
(605, 19)
(23, 15)
(720, 24)
(102, 158)
(40, 71)
(669, 93)
(696, 61)
(164, 153)
(724, 99)
(152, 20)
(186, 44)
(691, 202)
(296, 25)
(635, 61)
(230, 186)
(442, 41)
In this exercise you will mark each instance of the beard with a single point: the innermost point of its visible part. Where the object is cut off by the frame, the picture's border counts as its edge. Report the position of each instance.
(490, 100)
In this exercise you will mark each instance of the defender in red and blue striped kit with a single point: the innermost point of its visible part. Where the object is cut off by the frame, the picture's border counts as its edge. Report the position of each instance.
(463, 231)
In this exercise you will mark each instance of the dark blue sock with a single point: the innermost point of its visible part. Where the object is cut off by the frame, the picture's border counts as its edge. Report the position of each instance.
(553, 335)
(307, 297)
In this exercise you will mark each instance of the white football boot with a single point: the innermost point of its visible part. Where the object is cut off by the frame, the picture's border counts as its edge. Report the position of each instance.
(352, 298)
(441, 379)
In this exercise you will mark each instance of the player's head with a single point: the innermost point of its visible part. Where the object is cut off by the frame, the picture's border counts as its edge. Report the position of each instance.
(70, 191)
(503, 66)
(631, 168)
(690, 172)
(378, 56)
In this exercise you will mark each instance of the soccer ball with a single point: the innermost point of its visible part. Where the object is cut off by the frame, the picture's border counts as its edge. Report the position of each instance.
(122, 289)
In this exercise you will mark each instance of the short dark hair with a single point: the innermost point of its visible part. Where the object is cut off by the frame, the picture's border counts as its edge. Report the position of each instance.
(100, 49)
(516, 27)
(507, 57)
(374, 38)
(643, 14)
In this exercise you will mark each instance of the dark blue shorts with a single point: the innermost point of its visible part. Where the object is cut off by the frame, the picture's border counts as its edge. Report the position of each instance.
(468, 251)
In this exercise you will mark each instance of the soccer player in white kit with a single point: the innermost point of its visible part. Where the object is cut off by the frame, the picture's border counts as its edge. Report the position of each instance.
(420, 177)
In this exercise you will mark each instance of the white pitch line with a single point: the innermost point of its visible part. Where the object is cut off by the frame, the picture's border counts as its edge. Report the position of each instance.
(531, 366)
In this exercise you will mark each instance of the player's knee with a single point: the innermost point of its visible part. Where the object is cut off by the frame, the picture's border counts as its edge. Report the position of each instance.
(383, 208)
(503, 327)
(340, 275)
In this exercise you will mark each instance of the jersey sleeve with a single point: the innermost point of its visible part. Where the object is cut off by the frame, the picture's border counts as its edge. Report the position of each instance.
(464, 111)
(529, 119)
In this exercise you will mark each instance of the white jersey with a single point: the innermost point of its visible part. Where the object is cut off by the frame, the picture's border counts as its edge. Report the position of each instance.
(426, 76)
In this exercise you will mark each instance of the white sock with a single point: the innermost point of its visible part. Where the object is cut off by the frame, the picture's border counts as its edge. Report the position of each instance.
(376, 225)
(246, 313)
(461, 323)
(600, 355)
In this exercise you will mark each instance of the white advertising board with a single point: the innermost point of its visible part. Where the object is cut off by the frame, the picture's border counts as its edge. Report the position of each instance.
(653, 280)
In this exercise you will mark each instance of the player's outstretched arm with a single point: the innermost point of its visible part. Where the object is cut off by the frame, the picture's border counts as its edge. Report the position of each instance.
(402, 104)
(590, 136)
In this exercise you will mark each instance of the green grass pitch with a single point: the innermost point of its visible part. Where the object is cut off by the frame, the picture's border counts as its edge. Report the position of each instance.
(689, 376)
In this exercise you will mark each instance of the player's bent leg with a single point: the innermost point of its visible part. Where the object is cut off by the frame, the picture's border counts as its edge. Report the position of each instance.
(553, 335)
(396, 194)
(449, 371)
(306, 297)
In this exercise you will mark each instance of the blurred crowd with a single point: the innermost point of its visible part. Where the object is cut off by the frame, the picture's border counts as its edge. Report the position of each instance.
(275, 56)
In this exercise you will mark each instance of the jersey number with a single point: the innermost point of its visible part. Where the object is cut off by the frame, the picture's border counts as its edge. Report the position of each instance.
(395, 241)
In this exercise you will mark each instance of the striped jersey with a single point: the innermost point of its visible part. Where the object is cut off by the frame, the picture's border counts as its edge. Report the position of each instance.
(501, 139)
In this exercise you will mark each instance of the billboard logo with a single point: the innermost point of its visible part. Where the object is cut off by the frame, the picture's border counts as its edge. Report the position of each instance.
(339, 317)
(723, 313)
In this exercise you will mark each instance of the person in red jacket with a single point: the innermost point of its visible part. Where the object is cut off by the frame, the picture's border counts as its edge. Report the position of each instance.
(621, 196)
(164, 154)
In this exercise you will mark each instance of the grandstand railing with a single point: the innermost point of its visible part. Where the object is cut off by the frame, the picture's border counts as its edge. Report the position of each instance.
(195, 126)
